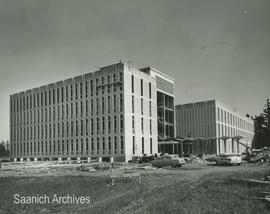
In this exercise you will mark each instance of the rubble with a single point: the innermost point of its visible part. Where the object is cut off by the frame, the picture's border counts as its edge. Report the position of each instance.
(258, 155)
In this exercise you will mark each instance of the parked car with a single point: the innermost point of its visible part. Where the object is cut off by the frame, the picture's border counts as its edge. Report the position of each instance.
(147, 158)
(168, 160)
(228, 159)
(135, 159)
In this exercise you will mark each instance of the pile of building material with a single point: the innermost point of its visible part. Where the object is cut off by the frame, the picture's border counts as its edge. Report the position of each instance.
(193, 159)
(258, 155)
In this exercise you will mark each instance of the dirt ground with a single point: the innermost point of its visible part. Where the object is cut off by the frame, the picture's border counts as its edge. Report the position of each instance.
(193, 188)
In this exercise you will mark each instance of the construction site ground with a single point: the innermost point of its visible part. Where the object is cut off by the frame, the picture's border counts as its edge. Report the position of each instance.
(192, 188)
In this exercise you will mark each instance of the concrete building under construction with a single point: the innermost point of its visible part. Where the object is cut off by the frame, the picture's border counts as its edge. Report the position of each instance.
(110, 114)
(211, 127)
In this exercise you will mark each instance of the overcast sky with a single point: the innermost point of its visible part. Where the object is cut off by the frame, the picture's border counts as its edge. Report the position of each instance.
(215, 49)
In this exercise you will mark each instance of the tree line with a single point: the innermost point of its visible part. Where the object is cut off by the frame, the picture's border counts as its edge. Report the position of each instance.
(262, 128)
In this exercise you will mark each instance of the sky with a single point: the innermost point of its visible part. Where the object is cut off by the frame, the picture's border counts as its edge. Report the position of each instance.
(214, 49)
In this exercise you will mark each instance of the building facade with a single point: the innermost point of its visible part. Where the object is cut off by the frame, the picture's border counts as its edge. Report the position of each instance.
(165, 104)
(108, 114)
(211, 127)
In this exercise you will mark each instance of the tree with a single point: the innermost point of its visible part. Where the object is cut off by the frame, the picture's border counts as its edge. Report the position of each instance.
(262, 128)
(3, 151)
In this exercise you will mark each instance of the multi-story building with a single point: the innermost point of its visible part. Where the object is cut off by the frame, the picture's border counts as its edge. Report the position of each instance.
(109, 114)
(211, 127)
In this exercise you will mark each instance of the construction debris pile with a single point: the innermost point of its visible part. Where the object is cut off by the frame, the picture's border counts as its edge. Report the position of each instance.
(258, 155)
(193, 159)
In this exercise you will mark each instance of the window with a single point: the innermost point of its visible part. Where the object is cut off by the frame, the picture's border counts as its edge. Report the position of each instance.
(97, 106)
(62, 94)
(81, 108)
(150, 124)
(71, 92)
(66, 93)
(114, 103)
(92, 126)
(86, 89)
(77, 128)
(109, 104)
(72, 146)
(81, 127)
(142, 125)
(92, 107)
(81, 90)
(97, 83)
(132, 84)
(92, 145)
(133, 104)
(103, 105)
(103, 125)
(97, 125)
(142, 145)
(41, 98)
(91, 87)
(115, 144)
(150, 90)
(115, 123)
(121, 103)
(121, 76)
(151, 146)
(77, 146)
(103, 145)
(82, 147)
(86, 107)
(37, 102)
(150, 108)
(97, 145)
(142, 106)
(109, 144)
(109, 124)
(121, 123)
(58, 95)
(141, 87)
(87, 126)
(122, 144)
(133, 124)
(133, 145)
(76, 109)
(86, 146)
(76, 91)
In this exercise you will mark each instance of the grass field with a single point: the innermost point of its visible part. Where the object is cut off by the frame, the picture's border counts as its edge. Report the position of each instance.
(196, 189)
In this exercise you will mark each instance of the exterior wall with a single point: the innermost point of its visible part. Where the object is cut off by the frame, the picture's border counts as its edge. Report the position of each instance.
(134, 115)
(195, 120)
(230, 123)
(88, 116)
(65, 119)
(213, 120)
(165, 103)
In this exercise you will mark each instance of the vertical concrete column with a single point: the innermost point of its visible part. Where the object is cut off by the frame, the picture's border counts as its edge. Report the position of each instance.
(218, 146)
(35, 159)
(232, 145)
(225, 146)
(172, 148)
(100, 159)
(89, 160)
(237, 142)
(112, 159)
(15, 159)
(182, 146)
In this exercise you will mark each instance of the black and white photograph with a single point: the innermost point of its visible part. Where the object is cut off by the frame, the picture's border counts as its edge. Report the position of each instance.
(135, 106)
